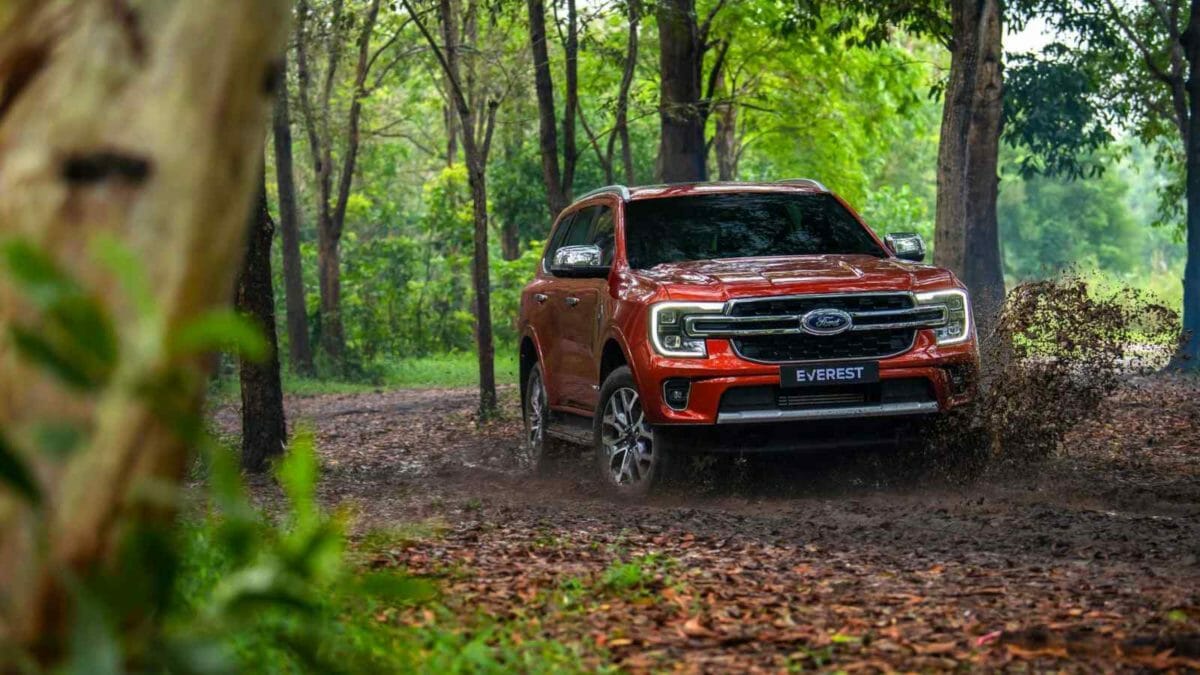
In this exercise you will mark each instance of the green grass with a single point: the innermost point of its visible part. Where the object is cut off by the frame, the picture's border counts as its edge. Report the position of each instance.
(355, 623)
(424, 372)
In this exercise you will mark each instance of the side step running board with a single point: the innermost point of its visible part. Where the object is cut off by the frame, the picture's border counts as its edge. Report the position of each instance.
(570, 428)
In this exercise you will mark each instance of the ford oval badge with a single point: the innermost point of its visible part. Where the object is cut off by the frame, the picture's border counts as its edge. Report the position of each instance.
(826, 322)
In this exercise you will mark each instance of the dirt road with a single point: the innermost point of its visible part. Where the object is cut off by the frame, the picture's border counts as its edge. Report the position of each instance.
(1088, 559)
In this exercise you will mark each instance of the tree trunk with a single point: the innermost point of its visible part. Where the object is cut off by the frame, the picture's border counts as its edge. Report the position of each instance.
(1188, 357)
(480, 273)
(478, 125)
(571, 107)
(350, 156)
(451, 122)
(146, 128)
(682, 148)
(263, 429)
(725, 141)
(329, 264)
(543, 84)
(621, 124)
(510, 241)
(320, 148)
(299, 347)
(966, 235)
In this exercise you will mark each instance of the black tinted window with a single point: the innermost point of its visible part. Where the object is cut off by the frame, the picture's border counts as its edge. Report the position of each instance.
(706, 227)
(556, 238)
(603, 234)
(581, 227)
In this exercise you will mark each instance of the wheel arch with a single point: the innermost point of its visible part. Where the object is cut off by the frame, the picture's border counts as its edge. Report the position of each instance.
(613, 356)
(527, 359)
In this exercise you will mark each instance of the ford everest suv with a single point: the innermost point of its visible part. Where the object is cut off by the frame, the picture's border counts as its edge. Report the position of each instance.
(733, 317)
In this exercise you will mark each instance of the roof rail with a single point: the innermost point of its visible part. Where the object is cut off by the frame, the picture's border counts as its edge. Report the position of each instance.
(804, 181)
(619, 190)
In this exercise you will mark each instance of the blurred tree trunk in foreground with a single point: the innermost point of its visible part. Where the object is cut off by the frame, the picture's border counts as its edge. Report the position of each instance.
(145, 127)
(967, 238)
(299, 347)
(263, 429)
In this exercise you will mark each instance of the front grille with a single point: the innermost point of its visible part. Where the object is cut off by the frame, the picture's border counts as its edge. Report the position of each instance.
(801, 347)
(870, 339)
(786, 401)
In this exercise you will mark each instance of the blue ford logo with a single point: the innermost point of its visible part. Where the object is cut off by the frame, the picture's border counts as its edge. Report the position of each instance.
(826, 322)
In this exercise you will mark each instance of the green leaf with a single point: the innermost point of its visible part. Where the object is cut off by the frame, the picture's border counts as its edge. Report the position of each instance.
(297, 474)
(58, 440)
(50, 357)
(261, 586)
(37, 275)
(221, 330)
(94, 646)
(16, 475)
(124, 264)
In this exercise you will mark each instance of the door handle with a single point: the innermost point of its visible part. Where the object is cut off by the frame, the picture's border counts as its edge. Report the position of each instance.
(572, 300)
(541, 297)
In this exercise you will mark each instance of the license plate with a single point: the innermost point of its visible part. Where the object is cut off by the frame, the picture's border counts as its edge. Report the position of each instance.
(858, 372)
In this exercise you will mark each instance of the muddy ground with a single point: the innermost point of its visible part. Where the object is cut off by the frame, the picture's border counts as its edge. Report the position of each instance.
(1088, 559)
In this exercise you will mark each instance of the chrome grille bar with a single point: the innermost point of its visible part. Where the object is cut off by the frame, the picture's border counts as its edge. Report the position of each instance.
(701, 326)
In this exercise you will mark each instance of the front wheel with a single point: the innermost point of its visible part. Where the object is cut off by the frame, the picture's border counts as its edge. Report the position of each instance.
(630, 456)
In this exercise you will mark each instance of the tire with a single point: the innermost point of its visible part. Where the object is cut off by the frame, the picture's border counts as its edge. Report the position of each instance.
(537, 448)
(631, 458)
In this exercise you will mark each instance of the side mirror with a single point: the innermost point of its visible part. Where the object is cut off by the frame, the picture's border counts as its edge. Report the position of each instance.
(582, 262)
(906, 245)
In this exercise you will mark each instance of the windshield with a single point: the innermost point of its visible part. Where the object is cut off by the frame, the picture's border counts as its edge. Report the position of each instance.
(707, 227)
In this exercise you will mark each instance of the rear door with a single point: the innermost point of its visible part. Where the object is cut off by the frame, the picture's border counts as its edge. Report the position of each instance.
(582, 317)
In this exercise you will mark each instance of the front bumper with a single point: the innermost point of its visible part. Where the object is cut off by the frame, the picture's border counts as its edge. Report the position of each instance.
(949, 371)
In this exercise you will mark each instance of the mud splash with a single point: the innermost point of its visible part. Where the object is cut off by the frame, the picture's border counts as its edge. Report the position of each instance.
(1060, 348)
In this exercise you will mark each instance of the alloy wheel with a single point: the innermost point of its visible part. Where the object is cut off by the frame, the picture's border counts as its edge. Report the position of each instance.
(627, 440)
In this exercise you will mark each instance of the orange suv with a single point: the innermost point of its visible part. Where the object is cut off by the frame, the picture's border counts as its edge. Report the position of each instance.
(733, 317)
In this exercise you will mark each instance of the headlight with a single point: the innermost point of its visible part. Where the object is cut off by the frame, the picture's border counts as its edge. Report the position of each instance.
(666, 327)
(958, 314)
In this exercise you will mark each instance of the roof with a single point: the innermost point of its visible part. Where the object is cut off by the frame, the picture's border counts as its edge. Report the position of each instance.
(683, 189)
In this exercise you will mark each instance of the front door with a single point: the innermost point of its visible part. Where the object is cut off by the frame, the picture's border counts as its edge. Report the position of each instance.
(581, 318)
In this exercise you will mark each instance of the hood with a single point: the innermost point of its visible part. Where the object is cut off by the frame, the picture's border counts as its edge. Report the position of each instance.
(740, 277)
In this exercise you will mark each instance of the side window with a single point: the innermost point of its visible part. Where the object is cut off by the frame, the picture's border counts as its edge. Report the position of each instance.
(603, 234)
(592, 225)
(572, 231)
(556, 239)
(581, 227)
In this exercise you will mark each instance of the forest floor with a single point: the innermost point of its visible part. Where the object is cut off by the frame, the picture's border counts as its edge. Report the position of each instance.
(1088, 559)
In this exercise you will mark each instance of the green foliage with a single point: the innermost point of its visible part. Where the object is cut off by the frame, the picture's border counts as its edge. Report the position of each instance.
(1054, 113)
(15, 474)
(844, 91)
(145, 611)
(637, 575)
(1096, 227)
(1048, 225)
(457, 369)
(224, 330)
(889, 210)
(73, 338)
